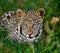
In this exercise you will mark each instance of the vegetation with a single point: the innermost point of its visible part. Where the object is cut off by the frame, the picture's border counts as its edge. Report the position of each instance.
(50, 40)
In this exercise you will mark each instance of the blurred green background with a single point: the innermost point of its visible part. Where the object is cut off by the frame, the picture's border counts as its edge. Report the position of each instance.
(49, 42)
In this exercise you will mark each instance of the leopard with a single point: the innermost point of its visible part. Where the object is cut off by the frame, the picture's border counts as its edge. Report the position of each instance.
(26, 25)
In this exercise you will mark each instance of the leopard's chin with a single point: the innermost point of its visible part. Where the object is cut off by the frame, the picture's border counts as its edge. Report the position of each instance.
(31, 39)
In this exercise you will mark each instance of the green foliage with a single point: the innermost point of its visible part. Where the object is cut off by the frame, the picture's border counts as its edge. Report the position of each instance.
(48, 43)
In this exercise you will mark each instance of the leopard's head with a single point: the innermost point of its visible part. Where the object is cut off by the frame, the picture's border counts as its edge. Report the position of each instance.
(31, 25)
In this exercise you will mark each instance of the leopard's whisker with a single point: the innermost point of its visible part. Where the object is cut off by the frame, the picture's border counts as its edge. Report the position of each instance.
(6, 38)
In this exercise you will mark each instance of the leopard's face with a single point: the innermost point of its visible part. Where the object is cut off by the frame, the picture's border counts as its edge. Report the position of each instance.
(31, 26)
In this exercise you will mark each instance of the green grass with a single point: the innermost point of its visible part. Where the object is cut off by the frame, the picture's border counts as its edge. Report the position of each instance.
(48, 43)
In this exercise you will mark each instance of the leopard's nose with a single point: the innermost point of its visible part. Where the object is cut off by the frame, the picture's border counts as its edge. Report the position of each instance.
(30, 33)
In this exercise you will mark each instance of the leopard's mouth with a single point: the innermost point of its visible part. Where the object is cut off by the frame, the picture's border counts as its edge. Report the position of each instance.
(30, 37)
(34, 35)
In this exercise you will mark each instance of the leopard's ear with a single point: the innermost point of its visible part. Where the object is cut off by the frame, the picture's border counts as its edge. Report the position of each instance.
(40, 13)
(20, 12)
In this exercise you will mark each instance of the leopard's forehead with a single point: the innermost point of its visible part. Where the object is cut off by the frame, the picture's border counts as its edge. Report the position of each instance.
(30, 15)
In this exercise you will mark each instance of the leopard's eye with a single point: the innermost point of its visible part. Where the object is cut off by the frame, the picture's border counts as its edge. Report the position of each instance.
(25, 25)
(34, 24)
